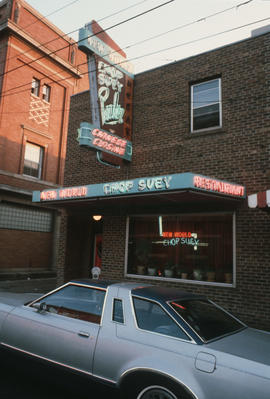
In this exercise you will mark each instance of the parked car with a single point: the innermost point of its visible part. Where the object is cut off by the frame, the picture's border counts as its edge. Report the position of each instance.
(148, 341)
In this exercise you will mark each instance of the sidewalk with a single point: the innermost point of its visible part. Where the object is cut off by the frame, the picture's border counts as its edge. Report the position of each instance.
(37, 285)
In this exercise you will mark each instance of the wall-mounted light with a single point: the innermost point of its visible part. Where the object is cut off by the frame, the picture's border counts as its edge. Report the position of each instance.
(97, 217)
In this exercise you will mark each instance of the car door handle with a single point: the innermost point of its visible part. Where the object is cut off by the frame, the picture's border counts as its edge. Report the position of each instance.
(83, 334)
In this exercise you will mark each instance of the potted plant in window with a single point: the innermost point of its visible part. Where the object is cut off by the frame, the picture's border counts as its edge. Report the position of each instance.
(211, 274)
(169, 269)
(142, 252)
(151, 270)
(228, 275)
(198, 274)
(140, 269)
(184, 273)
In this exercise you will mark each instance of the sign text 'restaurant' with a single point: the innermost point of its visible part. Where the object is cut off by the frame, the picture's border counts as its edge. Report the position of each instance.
(218, 186)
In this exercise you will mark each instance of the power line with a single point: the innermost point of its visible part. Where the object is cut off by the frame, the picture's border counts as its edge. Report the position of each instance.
(113, 26)
(101, 31)
(190, 23)
(123, 9)
(198, 40)
(22, 29)
(158, 51)
(66, 34)
(143, 41)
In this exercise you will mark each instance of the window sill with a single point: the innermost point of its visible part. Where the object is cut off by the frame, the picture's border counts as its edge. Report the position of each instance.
(180, 280)
(28, 178)
(37, 180)
(207, 132)
(35, 96)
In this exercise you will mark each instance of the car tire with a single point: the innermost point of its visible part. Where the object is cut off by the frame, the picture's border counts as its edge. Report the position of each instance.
(155, 386)
(157, 392)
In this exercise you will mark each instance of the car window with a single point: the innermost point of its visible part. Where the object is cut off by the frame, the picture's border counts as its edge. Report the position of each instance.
(151, 316)
(118, 314)
(84, 303)
(208, 320)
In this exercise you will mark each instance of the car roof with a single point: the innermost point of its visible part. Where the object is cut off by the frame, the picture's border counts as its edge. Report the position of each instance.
(148, 291)
(164, 293)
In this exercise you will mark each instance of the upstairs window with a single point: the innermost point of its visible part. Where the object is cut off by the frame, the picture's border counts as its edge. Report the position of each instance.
(46, 93)
(35, 89)
(206, 105)
(72, 56)
(33, 157)
(16, 13)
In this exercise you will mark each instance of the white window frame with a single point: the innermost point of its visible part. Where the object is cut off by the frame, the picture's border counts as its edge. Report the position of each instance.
(35, 89)
(40, 163)
(175, 279)
(46, 93)
(219, 101)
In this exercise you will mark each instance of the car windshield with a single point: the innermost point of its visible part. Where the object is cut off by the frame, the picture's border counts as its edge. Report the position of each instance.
(206, 319)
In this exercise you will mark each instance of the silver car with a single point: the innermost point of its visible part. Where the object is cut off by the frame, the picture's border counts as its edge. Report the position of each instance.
(150, 342)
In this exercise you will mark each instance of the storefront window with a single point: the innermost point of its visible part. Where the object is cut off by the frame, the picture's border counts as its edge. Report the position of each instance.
(188, 247)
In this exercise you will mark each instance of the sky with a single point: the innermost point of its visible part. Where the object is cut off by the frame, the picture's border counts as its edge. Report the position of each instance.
(167, 30)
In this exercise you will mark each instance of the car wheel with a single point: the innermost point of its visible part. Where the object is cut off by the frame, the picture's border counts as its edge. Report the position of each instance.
(151, 386)
(156, 392)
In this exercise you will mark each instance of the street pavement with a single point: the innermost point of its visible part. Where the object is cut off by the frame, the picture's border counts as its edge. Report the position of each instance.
(24, 381)
(35, 285)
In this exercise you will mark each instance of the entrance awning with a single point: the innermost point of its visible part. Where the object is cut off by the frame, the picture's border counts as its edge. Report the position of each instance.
(260, 200)
(188, 190)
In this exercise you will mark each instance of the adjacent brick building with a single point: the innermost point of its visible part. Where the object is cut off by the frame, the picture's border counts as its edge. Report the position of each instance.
(198, 124)
(40, 68)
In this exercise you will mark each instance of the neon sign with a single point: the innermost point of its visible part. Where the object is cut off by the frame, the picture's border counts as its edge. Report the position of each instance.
(110, 81)
(218, 186)
(172, 242)
(139, 186)
(64, 193)
(111, 97)
(178, 234)
(173, 238)
(48, 195)
(73, 192)
(100, 139)
(87, 41)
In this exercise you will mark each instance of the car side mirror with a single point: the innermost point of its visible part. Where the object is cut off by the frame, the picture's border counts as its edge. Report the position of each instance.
(40, 306)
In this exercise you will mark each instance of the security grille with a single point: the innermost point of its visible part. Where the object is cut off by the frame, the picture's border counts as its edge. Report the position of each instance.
(21, 218)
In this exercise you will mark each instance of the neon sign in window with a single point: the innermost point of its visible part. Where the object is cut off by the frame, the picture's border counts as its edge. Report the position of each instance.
(178, 234)
(197, 247)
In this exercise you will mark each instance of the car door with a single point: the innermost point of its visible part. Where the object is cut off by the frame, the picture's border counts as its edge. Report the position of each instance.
(63, 330)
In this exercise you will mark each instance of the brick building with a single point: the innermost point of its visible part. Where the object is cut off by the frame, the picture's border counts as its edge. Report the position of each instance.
(40, 68)
(200, 147)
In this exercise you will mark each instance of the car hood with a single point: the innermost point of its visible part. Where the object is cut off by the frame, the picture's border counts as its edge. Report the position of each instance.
(250, 344)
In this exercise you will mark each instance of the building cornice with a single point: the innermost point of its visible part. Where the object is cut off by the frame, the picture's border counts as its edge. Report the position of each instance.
(25, 36)
(45, 21)
(15, 190)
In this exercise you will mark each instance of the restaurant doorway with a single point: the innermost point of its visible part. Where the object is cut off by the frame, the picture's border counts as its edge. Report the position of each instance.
(96, 247)
(97, 250)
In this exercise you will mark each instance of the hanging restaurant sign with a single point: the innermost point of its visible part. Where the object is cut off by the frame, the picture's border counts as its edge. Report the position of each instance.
(99, 139)
(144, 185)
(111, 93)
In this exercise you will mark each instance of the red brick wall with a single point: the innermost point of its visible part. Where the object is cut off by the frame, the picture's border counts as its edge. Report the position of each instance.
(25, 250)
(17, 124)
(163, 144)
(26, 54)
